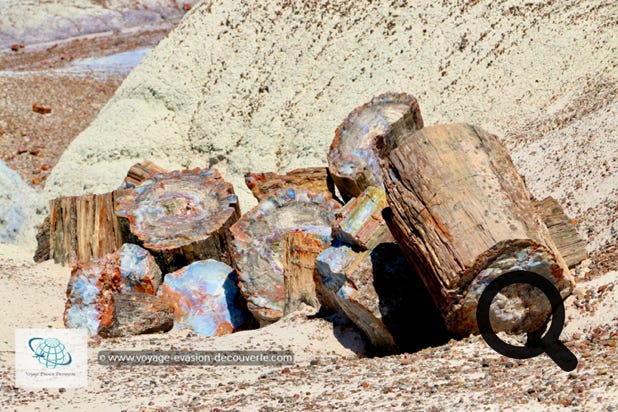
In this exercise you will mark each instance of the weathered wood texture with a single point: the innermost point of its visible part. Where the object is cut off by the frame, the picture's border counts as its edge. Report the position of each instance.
(42, 242)
(462, 215)
(258, 245)
(140, 172)
(352, 161)
(135, 313)
(182, 216)
(360, 223)
(563, 232)
(312, 179)
(299, 270)
(82, 228)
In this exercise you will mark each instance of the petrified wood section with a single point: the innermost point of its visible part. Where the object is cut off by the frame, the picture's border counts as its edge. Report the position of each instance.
(563, 232)
(300, 251)
(182, 216)
(360, 223)
(312, 179)
(82, 228)
(462, 215)
(140, 172)
(90, 288)
(352, 160)
(42, 241)
(136, 314)
(258, 245)
(205, 298)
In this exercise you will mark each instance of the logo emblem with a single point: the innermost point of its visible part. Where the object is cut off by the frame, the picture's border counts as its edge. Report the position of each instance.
(50, 352)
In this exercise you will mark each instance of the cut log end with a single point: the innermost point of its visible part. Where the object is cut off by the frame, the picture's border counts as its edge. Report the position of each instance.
(352, 158)
(182, 216)
(259, 250)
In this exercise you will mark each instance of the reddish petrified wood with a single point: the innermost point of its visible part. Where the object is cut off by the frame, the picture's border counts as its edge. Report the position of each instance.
(352, 160)
(137, 313)
(82, 228)
(312, 179)
(258, 245)
(140, 172)
(462, 215)
(299, 271)
(182, 216)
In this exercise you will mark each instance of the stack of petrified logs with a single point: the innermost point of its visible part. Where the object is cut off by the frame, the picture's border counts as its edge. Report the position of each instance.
(431, 216)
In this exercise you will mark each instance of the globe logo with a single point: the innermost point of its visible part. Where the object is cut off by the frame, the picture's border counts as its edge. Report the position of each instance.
(50, 352)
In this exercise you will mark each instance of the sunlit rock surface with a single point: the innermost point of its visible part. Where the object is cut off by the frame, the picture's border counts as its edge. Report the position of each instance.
(206, 298)
(258, 245)
(91, 286)
(352, 159)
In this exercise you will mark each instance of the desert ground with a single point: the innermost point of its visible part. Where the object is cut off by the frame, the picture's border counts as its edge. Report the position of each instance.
(542, 76)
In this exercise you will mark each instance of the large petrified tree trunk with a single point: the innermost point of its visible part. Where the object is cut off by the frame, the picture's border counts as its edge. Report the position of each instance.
(351, 158)
(82, 228)
(462, 215)
(182, 216)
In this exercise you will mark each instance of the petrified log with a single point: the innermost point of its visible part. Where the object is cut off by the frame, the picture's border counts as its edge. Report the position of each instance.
(299, 272)
(82, 228)
(462, 215)
(139, 173)
(42, 241)
(360, 223)
(205, 298)
(92, 284)
(352, 161)
(136, 313)
(258, 245)
(182, 216)
(563, 232)
(312, 179)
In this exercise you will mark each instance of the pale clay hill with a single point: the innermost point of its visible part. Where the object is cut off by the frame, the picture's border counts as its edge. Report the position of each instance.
(262, 87)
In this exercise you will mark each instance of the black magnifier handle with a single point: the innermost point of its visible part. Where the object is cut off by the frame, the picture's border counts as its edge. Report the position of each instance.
(560, 354)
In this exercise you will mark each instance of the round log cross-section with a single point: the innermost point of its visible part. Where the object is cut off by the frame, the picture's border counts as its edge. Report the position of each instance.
(258, 245)
(182, 216)
(352, 160)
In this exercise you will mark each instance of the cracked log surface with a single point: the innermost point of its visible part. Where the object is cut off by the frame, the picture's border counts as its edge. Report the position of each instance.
(140, 172)
(258, 245)
(352, 161)
(462, 215)
(182, 216)
(312, 179)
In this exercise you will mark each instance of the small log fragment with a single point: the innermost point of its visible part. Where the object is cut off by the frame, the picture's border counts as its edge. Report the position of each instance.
(91, 286)
(205, 298)
(360, 224)
(42, 252)
(137, 313)
(563, 232)
(312, 179)
(82, 228)
(462, 215)
(182, 216)
(352, 160)
(258, 245)
(300, 252)
(139, 173)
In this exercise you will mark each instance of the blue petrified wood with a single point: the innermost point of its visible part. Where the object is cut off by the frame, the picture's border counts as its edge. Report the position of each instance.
(206, 298)
(352, 159)
(258, 245)
(91, 286)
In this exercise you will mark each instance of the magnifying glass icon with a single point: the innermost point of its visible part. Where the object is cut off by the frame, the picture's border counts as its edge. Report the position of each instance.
(549, 343)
